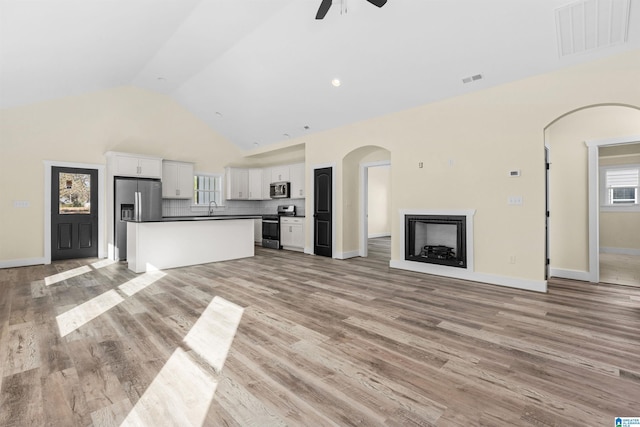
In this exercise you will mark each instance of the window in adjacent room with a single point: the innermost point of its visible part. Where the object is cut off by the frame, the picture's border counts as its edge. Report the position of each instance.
(207, 188)
(619, 185)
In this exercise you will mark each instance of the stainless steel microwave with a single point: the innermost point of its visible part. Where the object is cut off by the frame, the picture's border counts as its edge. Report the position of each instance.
(279, 190)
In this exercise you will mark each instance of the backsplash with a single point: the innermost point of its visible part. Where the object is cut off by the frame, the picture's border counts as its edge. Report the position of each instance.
(175, 207)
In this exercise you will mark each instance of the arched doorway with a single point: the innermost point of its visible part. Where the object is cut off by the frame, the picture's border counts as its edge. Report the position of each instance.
(357, 193)
(572, 141)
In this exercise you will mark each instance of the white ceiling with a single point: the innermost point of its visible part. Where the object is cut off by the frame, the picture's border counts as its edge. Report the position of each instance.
(255, 70)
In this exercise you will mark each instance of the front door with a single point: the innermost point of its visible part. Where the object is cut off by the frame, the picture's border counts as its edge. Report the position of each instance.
(322, 208)
(74, 213)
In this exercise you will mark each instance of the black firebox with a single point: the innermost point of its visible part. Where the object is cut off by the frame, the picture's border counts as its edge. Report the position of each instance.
(436, 239)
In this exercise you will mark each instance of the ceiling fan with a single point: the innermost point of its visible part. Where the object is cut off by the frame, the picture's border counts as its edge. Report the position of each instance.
(326, 4)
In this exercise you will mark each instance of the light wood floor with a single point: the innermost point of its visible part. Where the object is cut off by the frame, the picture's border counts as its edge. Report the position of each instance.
(620, 269)
(285, 338)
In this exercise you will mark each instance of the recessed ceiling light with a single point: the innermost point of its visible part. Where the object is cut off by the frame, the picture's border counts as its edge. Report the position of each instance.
(255, 144)
(306, 127)
(161, 79)
(218, 114)
(286, 135)
(336, 82)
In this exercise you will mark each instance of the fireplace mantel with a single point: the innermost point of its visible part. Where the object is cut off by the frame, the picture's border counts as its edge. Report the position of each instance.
(467, 273)
(435, 268)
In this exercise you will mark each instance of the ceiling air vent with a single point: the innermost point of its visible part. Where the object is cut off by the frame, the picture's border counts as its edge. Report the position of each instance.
(591, 24)
(472, 78)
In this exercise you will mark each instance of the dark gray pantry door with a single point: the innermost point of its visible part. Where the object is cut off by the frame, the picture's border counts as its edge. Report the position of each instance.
(74, 213)
(322, 209)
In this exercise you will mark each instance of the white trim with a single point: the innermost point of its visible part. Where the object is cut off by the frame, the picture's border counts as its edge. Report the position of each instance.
(594, 204)
(24, 262)
(469, 213)
(570, 274)
(346, 255)
(102, 204)
(331, 165)
(364, 203)
(461, 273)
(620, 251)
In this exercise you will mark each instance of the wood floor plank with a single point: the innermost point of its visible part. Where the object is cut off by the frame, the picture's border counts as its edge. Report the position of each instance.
(320, 342)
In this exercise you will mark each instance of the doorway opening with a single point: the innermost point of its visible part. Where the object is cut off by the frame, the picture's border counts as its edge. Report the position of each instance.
(375, 206)
(618, 176)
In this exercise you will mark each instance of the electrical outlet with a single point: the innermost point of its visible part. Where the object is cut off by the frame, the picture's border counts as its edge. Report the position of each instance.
(512, 259)
(514, 200)
(21, 204)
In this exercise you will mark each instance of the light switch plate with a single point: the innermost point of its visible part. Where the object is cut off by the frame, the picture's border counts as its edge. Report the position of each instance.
(21, 204)
(514, 200)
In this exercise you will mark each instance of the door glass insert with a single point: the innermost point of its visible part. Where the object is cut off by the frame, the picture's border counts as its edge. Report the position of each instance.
(74, 193)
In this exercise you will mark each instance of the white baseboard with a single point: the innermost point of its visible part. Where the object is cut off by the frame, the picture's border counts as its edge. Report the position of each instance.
(24, 262)
(620, 251)
(570, 274)
(347, 255)
(374, 235)
(460, 273)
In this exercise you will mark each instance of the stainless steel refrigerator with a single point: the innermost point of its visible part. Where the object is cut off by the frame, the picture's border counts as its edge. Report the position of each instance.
(135, 200)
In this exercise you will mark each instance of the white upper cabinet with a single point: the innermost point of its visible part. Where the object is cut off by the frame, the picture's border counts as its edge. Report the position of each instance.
(296, 173)
(280, 173)
(125, 164)
(177, 180)
(255, 185)
(237, 184)
(266, 183)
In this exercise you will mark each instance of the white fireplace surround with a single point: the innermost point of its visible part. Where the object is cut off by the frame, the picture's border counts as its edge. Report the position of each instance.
(467, 273)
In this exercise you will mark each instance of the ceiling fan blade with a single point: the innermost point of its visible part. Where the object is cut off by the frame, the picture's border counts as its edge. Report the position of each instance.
(378, 3)
(324, 8)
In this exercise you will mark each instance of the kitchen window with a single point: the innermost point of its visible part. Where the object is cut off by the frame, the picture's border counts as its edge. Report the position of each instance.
(207, 188)
(619, 187)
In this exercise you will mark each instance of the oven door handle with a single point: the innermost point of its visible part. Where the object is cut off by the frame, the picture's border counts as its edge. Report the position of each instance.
(270, 221)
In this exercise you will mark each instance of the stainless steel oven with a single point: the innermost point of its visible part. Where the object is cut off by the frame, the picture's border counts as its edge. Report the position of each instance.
(271, 231)
(271, 226)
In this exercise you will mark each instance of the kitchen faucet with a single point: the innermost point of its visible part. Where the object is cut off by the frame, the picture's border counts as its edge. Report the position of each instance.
(210, 208)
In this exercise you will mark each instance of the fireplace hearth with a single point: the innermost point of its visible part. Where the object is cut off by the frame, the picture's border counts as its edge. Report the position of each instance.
(436, 239)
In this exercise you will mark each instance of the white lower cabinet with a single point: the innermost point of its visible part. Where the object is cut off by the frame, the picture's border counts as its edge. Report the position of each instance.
(257, 230)
(292, 233)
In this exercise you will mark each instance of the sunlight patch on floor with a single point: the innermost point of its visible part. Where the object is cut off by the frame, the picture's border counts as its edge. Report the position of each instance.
(50, 280)
(180, 395)
(103, 263)
(183, 390)
(212, 334)
(137, 284)
(71, 320)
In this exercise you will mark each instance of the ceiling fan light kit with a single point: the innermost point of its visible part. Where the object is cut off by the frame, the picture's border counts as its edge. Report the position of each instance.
(326, 4)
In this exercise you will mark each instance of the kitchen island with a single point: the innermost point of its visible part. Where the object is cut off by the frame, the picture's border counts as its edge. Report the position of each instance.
(182, 241)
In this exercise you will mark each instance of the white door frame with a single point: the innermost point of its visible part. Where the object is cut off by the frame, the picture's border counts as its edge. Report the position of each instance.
(364, 203)
(48, 164)
(594, 199)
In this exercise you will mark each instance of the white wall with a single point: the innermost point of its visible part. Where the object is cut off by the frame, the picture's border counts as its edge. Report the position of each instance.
(379, 201)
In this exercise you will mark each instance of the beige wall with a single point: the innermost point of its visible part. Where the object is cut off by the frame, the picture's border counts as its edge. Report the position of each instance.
(379, 201)
(81, 129)
(471, 143)
(620, 230)
(568, 190)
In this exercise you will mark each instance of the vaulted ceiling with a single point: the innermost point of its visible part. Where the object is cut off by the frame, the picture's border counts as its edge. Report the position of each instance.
(260, 71)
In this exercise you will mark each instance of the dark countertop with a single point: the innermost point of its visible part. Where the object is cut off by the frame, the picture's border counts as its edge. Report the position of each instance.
(209, 218)
(199, 218)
